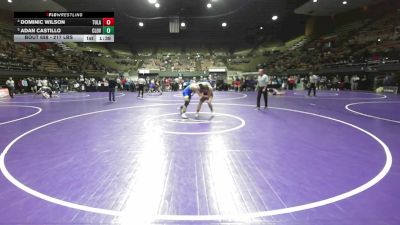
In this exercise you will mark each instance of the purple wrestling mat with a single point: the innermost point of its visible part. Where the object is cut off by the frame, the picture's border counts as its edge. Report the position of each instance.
(79, 159)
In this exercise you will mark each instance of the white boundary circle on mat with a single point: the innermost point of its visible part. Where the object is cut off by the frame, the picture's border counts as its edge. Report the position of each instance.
(371, 116)
(22, 118)
(336, 98)
(242, 124)
(156, 98)
(60, 94)
(47, 100)
(178, 95)
(65, 95)
(228, 217)
(324, 95)
(193, 121)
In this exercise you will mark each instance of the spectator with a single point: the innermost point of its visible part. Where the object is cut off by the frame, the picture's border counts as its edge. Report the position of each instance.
(10, 86)
(112, 84)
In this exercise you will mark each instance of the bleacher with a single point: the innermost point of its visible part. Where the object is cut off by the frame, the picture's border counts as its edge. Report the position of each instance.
(349, 27)
(353, 44)
(296, 43)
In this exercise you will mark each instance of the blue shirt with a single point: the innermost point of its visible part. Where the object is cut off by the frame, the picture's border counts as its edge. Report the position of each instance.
(187, 91)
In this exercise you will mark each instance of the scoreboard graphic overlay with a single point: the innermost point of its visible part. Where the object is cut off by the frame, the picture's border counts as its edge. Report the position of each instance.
(64, 26)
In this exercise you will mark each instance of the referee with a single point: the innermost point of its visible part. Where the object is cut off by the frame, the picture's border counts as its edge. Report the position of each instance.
(262, 82)
(313, 79)
(112, 83)
(141, 83)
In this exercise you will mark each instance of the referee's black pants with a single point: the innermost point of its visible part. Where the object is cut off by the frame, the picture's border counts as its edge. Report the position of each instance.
(140, 89)
(11, 91)
(264, 93)
(312, 86)
(111, 93)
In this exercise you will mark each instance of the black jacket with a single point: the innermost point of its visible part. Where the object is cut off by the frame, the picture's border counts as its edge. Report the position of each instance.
(112, 84)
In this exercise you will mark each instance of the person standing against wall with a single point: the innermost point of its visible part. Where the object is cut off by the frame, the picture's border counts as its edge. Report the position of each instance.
(354, 82)
(10, 86)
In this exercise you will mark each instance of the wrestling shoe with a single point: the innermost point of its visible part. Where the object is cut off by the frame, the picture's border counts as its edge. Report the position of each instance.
(183, 115)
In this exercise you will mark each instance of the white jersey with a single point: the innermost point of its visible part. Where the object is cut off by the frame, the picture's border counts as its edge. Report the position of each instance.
(10, 83)
(313, 79)
(45, 83)
(141, 81)
(262, 80)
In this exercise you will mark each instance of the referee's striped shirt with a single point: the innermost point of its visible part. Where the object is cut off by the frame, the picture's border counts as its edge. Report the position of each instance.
(262, 80)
